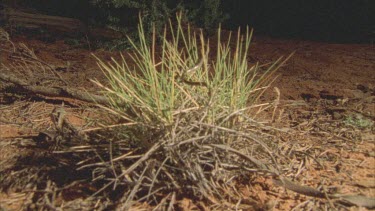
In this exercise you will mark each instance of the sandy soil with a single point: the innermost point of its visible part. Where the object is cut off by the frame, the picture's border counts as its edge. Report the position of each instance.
(322, 87)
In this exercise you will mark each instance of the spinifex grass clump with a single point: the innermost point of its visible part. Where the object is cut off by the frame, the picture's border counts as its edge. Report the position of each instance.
(159, 83)
(187, 112)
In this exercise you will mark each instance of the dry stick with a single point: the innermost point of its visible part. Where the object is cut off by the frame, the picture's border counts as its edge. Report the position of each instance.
(357, 200)
(305, 190)
(143, 158)
(258, 163)
(239, 111)
(154, 192)
(172, 202)
(246, 136)
(130, 197)
(56, 91)
(102, 189)
(161, 203)
(276, 103)
(109, 126)
(44, 63)
(169, 175)
(337, 136)
(191, 140)
(155, 177)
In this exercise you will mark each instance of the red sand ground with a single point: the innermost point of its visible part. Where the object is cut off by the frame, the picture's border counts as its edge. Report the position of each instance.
(320, 79)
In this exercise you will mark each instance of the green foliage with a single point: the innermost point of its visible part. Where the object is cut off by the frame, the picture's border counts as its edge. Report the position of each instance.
(207, 15)
(156, 11)
(358, 121)
(122, 15)
(159, 87)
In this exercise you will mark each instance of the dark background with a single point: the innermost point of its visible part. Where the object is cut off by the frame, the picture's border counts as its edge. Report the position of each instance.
(339, 21)
(325, 20)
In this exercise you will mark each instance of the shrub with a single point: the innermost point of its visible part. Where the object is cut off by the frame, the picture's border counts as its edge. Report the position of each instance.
(187, 117)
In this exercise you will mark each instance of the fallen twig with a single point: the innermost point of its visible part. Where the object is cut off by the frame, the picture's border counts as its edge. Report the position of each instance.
(56, 91)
